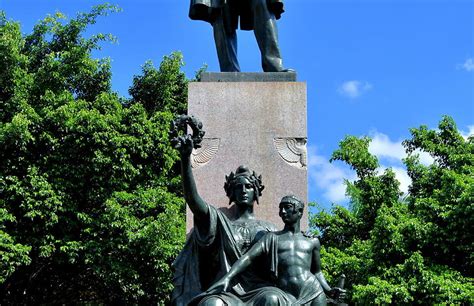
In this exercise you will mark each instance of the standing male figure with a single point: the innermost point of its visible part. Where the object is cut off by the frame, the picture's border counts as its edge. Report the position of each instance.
(257, 15)
(292, 259)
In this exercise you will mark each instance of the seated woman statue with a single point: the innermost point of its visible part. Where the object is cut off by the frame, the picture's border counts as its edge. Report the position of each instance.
(217, 242)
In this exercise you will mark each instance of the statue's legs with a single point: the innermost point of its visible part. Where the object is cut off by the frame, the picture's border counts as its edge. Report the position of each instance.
(321, 300)
(212, 301)
(270, 298)
(266, 33)
(226, 45)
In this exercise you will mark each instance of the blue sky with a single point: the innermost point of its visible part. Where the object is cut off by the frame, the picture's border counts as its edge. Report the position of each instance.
(372, 67)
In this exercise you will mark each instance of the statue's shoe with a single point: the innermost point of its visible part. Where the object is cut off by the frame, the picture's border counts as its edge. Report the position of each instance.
(288, 70)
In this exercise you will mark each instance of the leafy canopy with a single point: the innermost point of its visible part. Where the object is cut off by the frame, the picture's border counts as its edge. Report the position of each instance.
(413, 250)
(90, 205)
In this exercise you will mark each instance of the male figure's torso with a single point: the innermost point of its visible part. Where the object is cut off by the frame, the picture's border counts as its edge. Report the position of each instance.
(295, 253)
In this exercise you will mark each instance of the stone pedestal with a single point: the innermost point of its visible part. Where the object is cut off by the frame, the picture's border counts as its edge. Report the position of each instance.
(252, 119)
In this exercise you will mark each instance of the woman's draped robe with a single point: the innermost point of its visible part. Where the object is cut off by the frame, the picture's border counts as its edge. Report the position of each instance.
(206, 257)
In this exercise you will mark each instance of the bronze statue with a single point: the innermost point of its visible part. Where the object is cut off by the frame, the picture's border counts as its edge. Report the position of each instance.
(293, 260)
(257, 15)
(217, 241)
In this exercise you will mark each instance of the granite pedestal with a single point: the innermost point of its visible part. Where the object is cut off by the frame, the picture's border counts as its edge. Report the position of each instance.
(252, 119)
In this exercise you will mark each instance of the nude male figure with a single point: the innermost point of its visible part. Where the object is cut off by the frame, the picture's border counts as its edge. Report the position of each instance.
(295, 262)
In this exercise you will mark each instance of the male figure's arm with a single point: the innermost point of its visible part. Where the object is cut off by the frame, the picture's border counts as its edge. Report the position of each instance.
(239, 266)
(316, 266)
(335, 292)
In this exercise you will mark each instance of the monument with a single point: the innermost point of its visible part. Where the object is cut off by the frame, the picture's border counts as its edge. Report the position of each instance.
(234, 254)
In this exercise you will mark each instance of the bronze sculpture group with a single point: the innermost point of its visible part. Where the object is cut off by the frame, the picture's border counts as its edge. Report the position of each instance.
(244, 261)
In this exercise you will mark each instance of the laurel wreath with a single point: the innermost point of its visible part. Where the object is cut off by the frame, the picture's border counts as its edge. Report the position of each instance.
(179, 129)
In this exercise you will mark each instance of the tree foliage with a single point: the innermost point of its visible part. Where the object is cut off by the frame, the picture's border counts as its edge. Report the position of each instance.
(412, 250)
(90, 208)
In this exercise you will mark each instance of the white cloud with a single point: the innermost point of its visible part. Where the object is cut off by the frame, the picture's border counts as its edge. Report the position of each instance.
(382, 147)
(336, 192)
(468, 65)
(400, 174)
(393, 152)
(328, 177)
(425, 158)
(403, 178)
(470, 132)
(390, 154)
(354, 88)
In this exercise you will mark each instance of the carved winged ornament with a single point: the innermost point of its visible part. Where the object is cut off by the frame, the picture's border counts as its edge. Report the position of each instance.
(292, 150)
(203, 155)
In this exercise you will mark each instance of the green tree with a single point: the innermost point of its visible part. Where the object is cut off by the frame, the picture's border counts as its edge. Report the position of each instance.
(90, 204)
(416, 249)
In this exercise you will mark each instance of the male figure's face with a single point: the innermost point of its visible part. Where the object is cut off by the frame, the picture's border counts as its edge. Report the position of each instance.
(244, 194)
(289, 213)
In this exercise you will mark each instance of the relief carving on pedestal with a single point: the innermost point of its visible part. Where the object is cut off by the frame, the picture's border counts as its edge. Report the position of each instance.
(292, 150)
(201, 156)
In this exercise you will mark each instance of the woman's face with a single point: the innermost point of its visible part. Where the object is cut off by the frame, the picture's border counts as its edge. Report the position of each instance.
(244, 194)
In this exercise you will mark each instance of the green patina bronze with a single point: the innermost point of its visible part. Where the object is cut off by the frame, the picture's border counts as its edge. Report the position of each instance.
(269, 267)
(292, 260)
